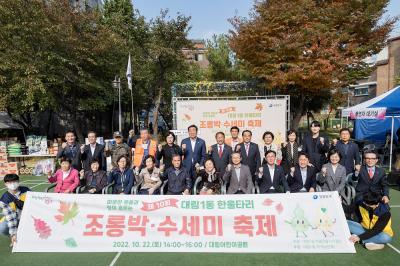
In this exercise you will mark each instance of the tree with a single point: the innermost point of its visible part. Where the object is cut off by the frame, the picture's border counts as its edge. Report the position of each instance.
(224, 66)
(55, 58)
(306, 48)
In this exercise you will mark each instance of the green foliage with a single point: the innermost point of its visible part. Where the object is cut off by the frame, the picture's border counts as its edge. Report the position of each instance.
(224, 66)
(53, 56)
(305, 48)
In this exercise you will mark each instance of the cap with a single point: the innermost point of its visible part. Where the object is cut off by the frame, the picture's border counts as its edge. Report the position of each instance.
(117, 134)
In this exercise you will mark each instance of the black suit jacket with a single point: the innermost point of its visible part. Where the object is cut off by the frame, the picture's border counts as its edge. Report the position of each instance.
(316, 151)
(378, 183)
(223, 161)
(349, 158)
(98, 154)
(280, 184)
(296, 181)
(68, 153)
(253, 160)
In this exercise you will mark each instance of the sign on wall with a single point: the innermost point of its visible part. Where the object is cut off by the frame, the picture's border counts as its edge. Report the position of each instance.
(211, 116)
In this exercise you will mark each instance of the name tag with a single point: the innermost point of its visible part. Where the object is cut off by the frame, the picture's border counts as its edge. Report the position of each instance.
(144, 146)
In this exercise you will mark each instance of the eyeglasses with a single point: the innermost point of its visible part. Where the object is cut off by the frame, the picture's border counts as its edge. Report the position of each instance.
(369, 158)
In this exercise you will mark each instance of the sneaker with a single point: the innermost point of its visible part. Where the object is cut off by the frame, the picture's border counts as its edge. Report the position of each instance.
(373, 246)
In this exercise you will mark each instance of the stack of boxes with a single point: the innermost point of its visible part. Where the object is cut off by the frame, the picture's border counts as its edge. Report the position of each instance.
(3, 159)
(5, 166)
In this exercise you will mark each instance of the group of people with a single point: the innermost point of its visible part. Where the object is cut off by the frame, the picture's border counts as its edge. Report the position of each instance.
(233, 165)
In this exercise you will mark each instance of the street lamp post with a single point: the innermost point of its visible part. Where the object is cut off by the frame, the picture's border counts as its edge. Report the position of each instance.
(117, 85)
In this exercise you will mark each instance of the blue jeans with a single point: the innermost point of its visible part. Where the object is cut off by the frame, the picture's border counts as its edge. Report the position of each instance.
(4, 228)
(357, 229)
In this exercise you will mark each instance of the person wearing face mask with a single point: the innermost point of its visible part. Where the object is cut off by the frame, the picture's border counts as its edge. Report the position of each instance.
(150, 177)
(210, 179)
(375, 227)
(67, 178)
(11, 204)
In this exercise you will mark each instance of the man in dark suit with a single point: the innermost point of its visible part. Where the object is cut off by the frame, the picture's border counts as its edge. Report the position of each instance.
(316, 146)
(349, 152)
(220, 153)
(249, 152)
(372, 178)
(93, 151)
(194, 151)
(271, 177)
(302, 177)
(70, 150)
(238, 176)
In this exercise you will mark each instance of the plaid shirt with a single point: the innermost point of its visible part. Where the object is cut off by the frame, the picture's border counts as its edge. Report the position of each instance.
(12, 217)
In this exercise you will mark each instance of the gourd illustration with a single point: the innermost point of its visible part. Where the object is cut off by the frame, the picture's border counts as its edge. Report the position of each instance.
(324, 222)
(299, 222)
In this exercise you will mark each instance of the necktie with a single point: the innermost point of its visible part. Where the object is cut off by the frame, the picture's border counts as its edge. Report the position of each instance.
(371, 174)
(220, 151)
(247, 149)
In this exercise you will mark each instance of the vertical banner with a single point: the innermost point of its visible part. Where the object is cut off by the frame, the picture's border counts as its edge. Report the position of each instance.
(279, 223)
(211, 116)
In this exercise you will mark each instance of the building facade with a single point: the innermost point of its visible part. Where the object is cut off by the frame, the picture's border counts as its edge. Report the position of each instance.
(197, 54)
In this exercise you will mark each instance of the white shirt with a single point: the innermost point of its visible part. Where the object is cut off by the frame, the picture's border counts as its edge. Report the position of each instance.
(235, 142)
(92, 148)
(66, 174)
(303, 177)
(271, 173)
(193, 142)
(237, 170)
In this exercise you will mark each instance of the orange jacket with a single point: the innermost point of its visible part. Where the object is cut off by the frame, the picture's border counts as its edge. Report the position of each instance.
(139, 151)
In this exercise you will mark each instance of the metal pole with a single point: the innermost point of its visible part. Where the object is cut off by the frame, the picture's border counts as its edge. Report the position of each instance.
(391, 145)
(119, 103)
(133, 113)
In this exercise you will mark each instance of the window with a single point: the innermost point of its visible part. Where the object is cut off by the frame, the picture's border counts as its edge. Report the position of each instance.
(198, 57)
(361, 91)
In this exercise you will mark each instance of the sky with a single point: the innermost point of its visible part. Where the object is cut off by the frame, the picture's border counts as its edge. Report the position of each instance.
(210, 17)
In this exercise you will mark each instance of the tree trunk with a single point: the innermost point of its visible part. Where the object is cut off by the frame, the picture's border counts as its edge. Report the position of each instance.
(155, 111)
(298, 111)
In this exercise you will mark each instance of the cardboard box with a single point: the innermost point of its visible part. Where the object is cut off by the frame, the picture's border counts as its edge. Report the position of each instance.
(13, 165)
(13, 172)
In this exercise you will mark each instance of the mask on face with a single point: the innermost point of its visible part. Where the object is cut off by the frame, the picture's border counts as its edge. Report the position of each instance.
(12, 185)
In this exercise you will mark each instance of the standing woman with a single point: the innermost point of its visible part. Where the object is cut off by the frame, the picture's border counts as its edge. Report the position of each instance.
(268, 138)
(333, 174)
(122, 176)
(150, 177)
(290, 151)
(166, 151)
